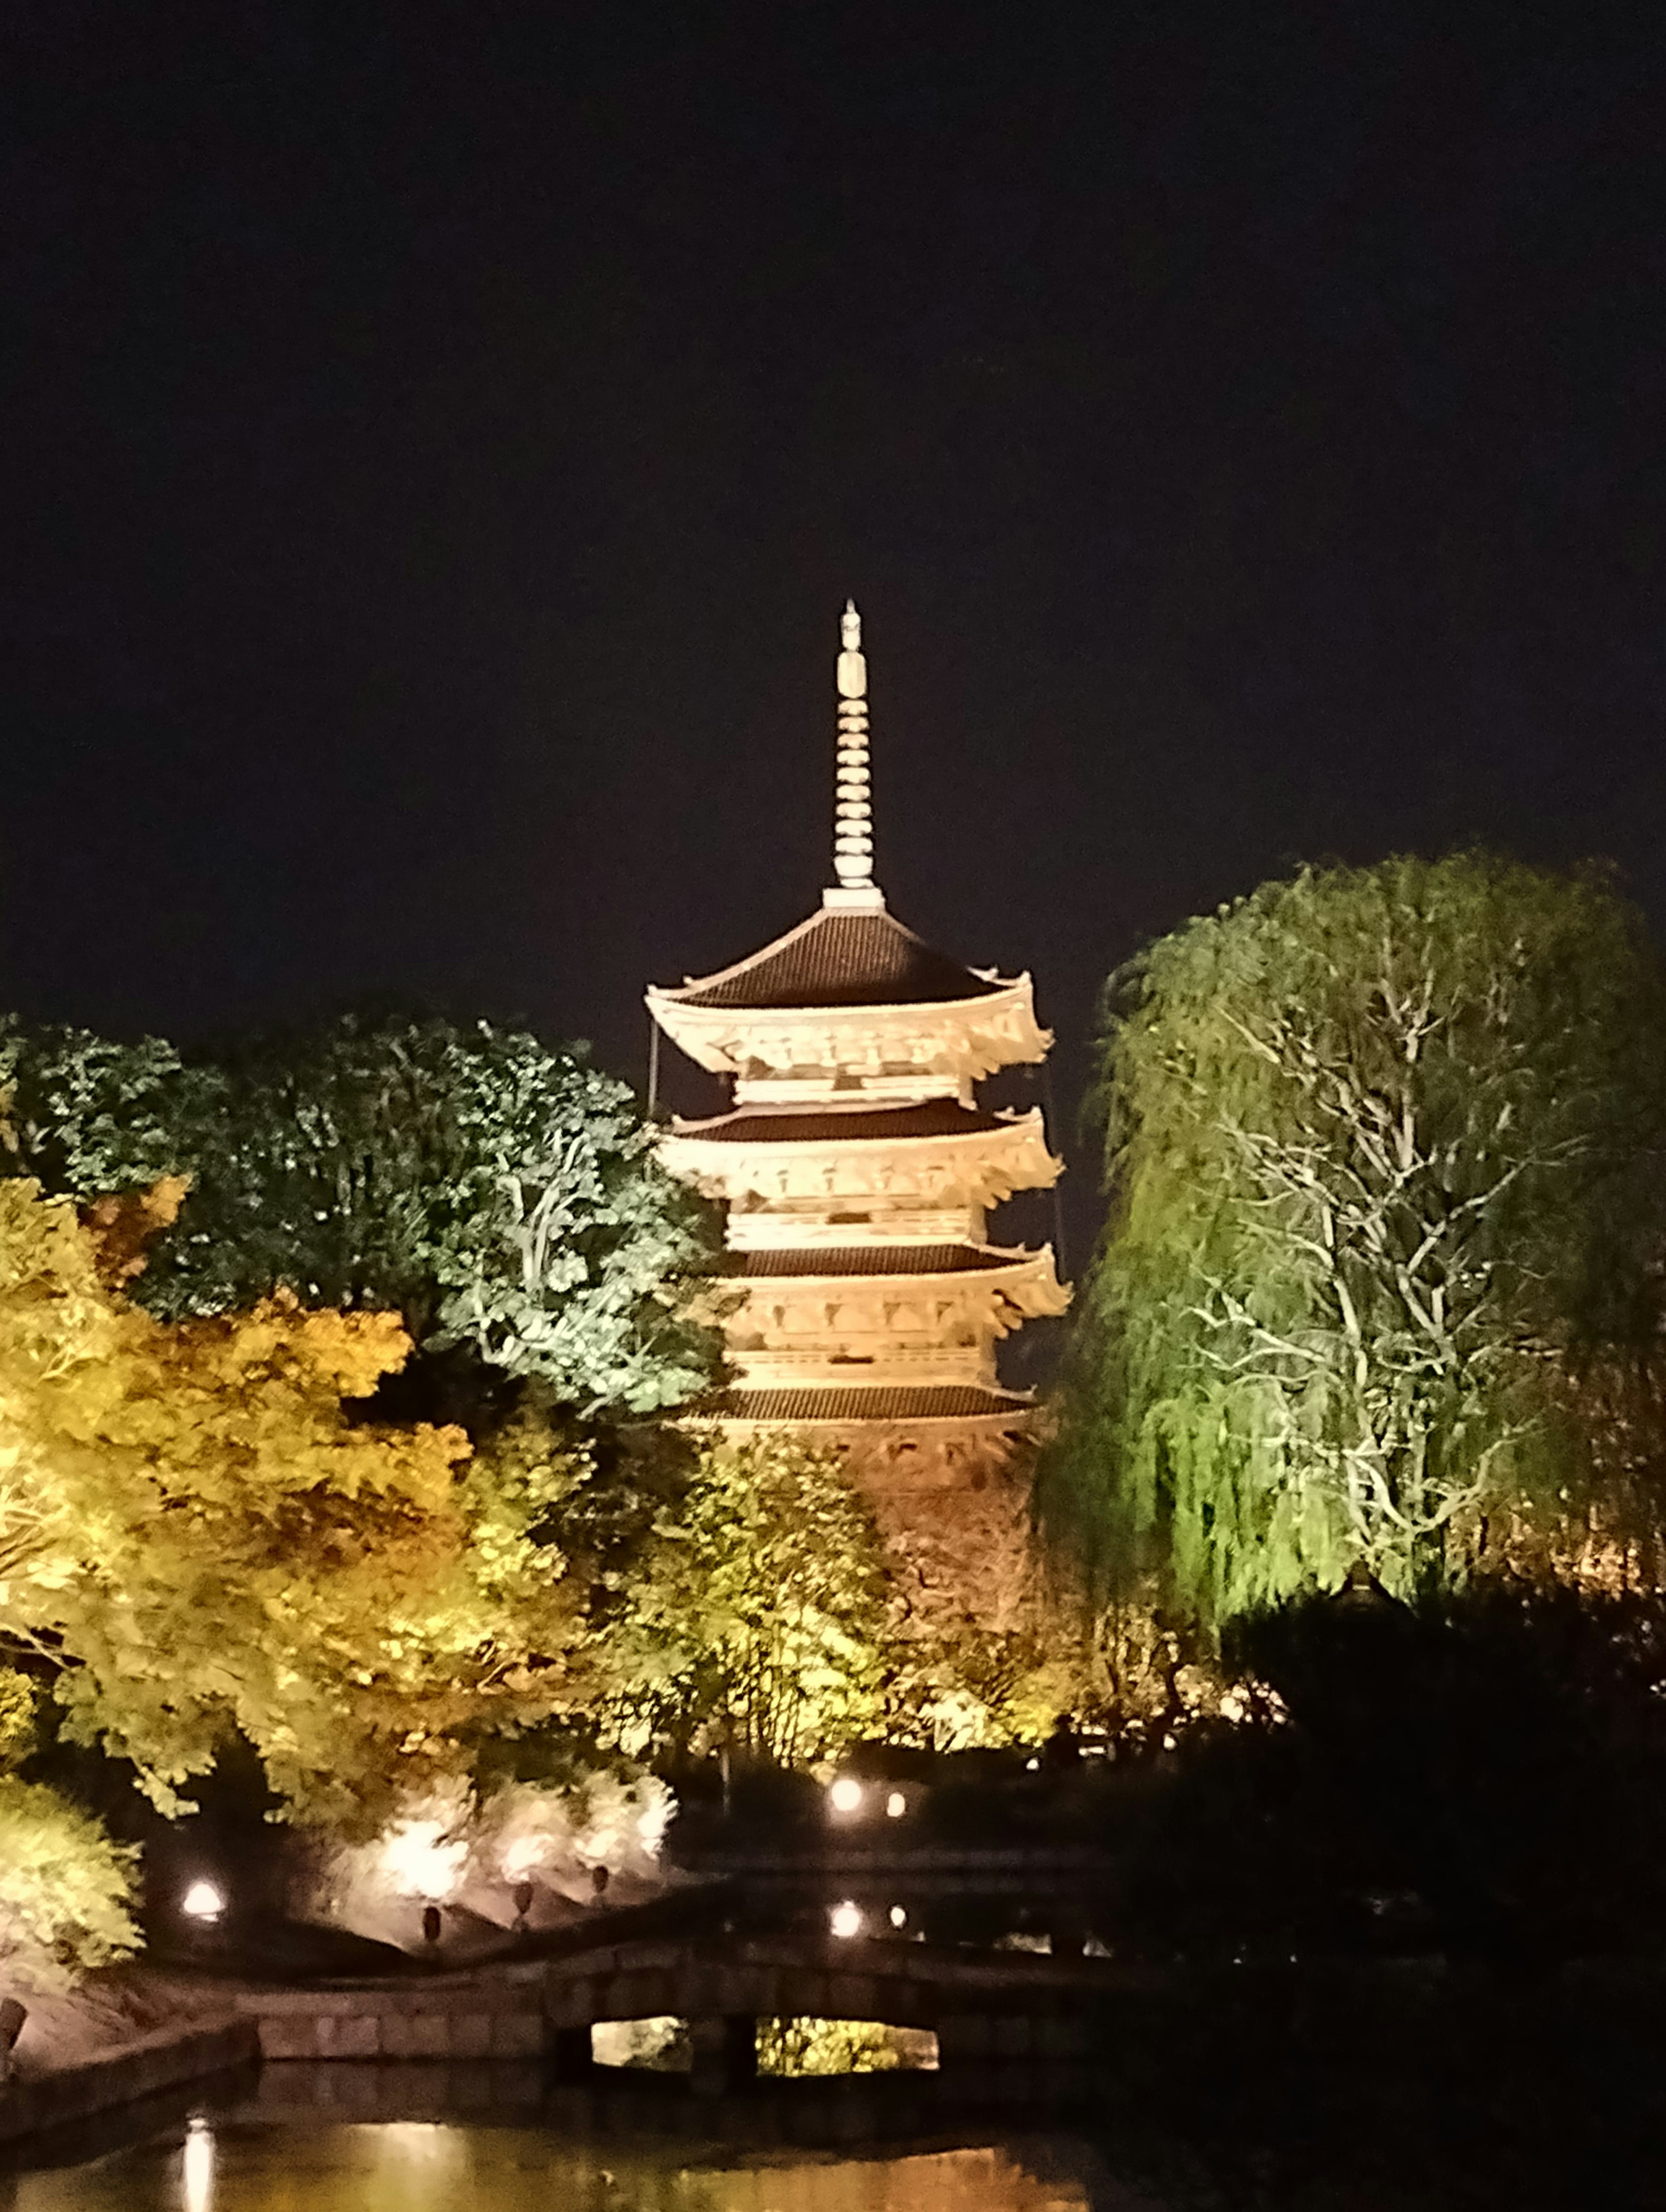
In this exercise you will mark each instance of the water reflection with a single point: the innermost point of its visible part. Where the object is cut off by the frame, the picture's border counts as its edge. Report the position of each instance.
(439, 2166)
(197, 2167)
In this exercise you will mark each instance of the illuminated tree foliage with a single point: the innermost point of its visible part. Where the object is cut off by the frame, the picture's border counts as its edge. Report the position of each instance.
(66, 1890)
(195, 1539)
(500, 1196)
(1384, 1151)
(66, 1887)
(764, 1627)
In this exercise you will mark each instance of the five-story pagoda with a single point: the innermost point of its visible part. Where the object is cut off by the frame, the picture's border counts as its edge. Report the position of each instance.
(857, 1171)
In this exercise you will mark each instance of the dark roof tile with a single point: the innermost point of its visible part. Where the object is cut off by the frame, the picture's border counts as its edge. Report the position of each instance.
(897, 1403)
(812, 1261)
(750, 1125)
(836, 959)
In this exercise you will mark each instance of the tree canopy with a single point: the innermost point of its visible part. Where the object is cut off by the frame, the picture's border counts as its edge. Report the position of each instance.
(196, 1540)
(766, 1623)
(500, 1195)
(1383, 1150)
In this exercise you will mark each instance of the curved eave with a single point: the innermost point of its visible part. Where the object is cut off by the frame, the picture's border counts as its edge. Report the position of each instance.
(998, 1029)
(1025, 1128)
(1013, 1154)
(688, 993)
(1030, 1283)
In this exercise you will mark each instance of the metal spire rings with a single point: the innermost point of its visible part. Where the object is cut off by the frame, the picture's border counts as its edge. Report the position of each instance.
(853, 810)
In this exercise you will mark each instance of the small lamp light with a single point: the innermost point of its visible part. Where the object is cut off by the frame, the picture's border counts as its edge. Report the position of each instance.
(202, 1902)
(846, 1795)
(896, 1805)
(846, 1919)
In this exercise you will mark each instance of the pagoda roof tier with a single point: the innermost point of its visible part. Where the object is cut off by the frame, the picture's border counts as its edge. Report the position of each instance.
(882, 1402)
(971, 1159)
(811, 1263)
(904, 1023)
(859, 1122)
(838, 958)
(1000, 1288)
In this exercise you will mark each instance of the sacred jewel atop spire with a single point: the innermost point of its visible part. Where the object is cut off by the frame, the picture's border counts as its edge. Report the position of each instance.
(853, 810)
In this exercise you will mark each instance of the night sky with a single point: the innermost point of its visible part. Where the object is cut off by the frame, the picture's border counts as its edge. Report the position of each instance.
(439, 441)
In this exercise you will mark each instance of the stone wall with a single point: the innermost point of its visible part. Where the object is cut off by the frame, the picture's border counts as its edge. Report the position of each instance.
(30, 2102)
(489, 2015)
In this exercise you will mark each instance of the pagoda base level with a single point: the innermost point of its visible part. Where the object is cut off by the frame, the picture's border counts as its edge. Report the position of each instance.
(951, 1496)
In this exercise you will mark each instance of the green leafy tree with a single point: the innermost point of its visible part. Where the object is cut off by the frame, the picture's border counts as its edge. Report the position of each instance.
(1384, 1147)
(764, 1627)
(502, 1197)
(87, 1116)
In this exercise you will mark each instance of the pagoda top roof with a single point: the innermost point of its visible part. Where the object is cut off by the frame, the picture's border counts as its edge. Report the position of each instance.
(833, 1124)
(841, 957)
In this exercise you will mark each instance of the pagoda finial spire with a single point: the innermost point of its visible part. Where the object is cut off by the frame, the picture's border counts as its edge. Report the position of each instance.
(853, 809)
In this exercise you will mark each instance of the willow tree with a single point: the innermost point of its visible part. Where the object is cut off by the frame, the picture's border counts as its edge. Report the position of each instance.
(1383, 1150)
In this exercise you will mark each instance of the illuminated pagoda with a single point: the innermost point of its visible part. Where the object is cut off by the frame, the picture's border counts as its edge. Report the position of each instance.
(857, 1171)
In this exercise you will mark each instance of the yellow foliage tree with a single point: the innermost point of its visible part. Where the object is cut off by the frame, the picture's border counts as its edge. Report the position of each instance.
(198, 1537)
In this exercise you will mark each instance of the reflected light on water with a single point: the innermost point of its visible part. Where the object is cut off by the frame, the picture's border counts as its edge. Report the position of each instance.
(312, 2165)
(196, 2168)
(424, 2164)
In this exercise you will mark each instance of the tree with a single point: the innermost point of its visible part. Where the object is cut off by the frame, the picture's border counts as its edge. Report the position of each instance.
(1384, 1151)
(66, 1890)
(764, 1627)
(500, 1196)
(197, 1540)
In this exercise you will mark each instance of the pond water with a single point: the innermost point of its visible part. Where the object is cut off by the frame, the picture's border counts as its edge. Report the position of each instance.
(403, 2165)
(501, 2137)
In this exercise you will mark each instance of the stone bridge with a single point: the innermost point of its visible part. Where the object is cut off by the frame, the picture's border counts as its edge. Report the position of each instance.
(1007, 2004)
(981, 2005)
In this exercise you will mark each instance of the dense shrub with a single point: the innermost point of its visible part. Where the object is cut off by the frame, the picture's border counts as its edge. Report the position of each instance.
(66, 1890)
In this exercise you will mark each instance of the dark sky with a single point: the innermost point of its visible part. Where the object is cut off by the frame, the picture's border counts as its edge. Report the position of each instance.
(439, 441)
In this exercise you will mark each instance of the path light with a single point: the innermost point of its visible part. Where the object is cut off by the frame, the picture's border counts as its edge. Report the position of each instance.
(846, 1795)
(846, 1919)
(204, 1902)
(422, 1858)
(898, 1917)
(896, 1805)
(521, 1855)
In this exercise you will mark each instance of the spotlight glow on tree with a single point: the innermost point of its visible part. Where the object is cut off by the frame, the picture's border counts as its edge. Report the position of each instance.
(1383, 1145)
